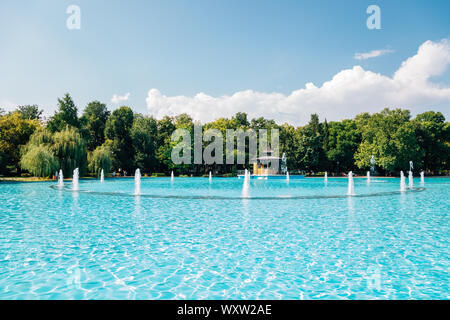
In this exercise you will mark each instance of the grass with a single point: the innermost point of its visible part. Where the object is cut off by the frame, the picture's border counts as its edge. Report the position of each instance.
(25, 179)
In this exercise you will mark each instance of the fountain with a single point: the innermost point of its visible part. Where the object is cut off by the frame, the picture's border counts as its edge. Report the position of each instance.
(137, 182)
(76, 176)
(102, 176)
(325, 179)
(287, 175)
(422, 178)
(368, 177)
(351, 185)
(60, 179)
(171, 176)
(210, 176)
(372, 164)
(410, 180)
(246, 184)
(283, 163)
(402, 182)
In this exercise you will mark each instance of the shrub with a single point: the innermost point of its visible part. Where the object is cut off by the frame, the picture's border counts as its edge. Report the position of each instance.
(158, 174)
(100, 158)
(39, 161)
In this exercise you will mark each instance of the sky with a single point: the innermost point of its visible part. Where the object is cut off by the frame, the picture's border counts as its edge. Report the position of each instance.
(279, 59)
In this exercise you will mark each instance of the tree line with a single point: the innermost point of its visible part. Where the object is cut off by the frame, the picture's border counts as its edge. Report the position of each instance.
(123, 140)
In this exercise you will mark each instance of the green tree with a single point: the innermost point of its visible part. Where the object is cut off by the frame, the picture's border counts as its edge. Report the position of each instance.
(287, 145)
(67, 115)
(343, 141)
(163, 152)
(70, 149)
(433, 135)
(30, 112)
(118, 130)
(15, 131)
(93, 122)
(39, 161)
(309, 151)
(100, 158)
(144, 136)
(240, 120)
(390, 137)
(183, 121)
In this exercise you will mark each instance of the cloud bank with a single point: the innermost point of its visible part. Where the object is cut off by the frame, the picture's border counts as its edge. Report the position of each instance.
(348, 93)
(372, 54)
(116, 99)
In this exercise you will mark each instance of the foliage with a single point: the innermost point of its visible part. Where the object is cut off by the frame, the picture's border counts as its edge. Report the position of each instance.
(93, 123)
(309, 142)
(118, 130)
(70, 149)
(390, 137)
(100, 158)
(343, 141)
(15, 132)
(67, 115)
(39, 161)
(433, 135)
(30, 112)
(143, 134)
(125, 140)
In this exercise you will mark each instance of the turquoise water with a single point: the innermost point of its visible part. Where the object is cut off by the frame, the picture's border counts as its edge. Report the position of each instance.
(191, 239)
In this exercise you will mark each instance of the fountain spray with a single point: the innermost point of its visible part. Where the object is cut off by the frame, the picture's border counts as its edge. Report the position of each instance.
(60, 179)
(351, 185)
(402, 182)
(137, 182)
(76, 176)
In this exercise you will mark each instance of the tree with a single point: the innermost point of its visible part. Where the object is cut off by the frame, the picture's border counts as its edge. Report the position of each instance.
(39, 161)
(183, 121)
(390, 137)
(67, 115)
(118, 130)
(433, 135)
(100, 158)
(163, 153)
(15, 131)
(287, 145)
(30, 112)
(240, 120)
(309, 143)
(343, 141)
(70, 149)
(93, 122)
(144, 136)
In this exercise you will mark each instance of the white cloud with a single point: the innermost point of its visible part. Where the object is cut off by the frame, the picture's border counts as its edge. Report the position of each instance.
(348, 93)
(118, 99)
(372, 54)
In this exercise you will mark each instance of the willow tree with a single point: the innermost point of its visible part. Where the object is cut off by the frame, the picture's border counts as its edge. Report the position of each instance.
(70, 149)
(39, 161)
(15, 132)
(100, 158)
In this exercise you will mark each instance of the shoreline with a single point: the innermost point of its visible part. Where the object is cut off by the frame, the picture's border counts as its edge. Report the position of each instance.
(37, 179)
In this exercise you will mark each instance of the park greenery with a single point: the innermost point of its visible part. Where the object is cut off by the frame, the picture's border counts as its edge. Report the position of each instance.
(123, 140)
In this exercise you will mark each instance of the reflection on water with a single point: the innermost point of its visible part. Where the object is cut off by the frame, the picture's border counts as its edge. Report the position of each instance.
(203, 240)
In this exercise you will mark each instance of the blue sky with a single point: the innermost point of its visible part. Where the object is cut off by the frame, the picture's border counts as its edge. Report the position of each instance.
(218, 48)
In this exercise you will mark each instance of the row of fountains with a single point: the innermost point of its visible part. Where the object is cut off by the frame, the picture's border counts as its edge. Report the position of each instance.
(247, 177)
(351, 184)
